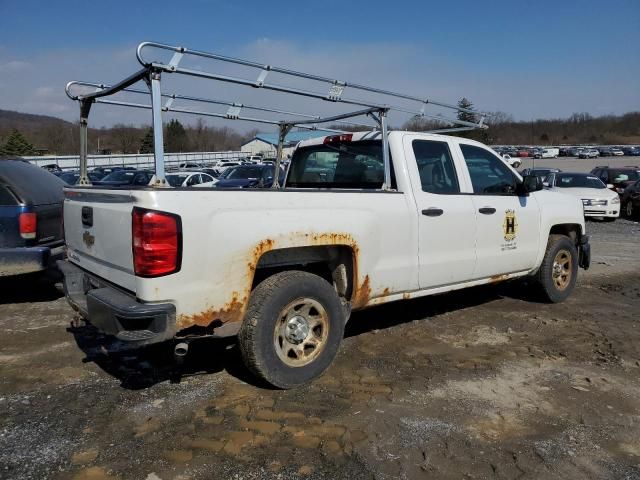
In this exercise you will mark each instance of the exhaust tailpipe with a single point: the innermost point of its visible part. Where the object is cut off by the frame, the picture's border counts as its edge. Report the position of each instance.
(181, 350)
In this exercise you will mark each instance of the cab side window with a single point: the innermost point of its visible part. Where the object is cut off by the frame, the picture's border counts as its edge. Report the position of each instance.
(435, 166)
(489, 175)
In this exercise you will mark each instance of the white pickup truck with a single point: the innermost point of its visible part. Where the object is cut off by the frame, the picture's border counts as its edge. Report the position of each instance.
(283, 268)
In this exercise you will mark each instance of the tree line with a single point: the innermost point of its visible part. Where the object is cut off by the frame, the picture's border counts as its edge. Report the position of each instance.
(579, 128)
(24, 134)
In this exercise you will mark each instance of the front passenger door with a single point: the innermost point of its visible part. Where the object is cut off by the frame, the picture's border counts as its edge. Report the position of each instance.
(508, 225)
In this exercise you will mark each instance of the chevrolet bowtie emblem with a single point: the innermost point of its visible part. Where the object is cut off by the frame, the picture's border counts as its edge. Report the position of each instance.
(88, 239)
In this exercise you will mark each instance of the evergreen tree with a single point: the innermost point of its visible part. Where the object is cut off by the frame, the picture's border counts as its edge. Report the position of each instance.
(480, 135)
(466, 116)
(146, 146)
(176, 137)
(16, 146)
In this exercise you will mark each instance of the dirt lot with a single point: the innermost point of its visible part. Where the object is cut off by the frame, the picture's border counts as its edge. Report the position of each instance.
(475, 384)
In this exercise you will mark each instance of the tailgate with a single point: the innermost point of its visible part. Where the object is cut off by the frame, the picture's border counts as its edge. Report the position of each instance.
(97, 225)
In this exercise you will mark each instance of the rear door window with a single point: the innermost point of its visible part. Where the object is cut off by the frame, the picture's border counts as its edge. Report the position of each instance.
(435, 166)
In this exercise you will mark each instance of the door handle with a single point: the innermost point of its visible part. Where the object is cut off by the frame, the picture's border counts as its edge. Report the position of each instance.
(433, 212)
(487, 210)
(87, 216)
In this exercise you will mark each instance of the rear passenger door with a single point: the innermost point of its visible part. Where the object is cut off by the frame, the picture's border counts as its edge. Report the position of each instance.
(508, 225)
(446, 218)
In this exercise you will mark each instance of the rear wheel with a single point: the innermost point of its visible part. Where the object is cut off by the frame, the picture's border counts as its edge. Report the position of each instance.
(293, 328)
(559, 270)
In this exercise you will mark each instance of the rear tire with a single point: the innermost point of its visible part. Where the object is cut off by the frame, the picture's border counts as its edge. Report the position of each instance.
(293, 328)
(559, 270)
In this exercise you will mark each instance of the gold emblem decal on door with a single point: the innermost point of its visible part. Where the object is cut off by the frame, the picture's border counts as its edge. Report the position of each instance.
(510, 225)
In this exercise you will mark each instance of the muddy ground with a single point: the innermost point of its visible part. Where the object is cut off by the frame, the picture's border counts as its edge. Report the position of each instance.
(476, 384)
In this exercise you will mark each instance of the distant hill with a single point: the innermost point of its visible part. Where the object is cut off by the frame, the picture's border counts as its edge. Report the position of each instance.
(43, 131)
(10, 119)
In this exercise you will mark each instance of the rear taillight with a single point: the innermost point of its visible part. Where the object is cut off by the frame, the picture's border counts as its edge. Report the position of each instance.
(157, 242)
(345, 137)
(28, 224)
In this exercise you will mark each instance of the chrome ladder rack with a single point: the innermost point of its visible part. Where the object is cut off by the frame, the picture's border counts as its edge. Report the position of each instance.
(152, 71)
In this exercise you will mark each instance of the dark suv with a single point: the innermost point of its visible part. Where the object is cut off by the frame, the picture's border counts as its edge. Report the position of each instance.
(31, 234)
(630, 200)
(619, 177)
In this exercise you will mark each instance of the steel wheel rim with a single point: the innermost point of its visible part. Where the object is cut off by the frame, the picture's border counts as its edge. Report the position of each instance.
(562, 270)
(301, 332)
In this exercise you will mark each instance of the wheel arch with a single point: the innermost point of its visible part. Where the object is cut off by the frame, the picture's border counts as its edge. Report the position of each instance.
(337, 264)
(571, 230)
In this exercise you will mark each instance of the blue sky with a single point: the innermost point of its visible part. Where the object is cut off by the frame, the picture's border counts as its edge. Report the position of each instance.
(531, 59)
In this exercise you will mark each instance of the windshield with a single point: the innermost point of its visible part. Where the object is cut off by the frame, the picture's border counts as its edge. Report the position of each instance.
(176, 180)
(623, 175)
(571, 180)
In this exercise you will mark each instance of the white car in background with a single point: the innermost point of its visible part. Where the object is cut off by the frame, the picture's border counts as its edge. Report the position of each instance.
(597, 198)
(515, 162)
(617, 152)
(222, 165)
(188, 179)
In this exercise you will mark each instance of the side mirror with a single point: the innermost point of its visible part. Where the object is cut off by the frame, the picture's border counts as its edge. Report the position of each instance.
(530, 183)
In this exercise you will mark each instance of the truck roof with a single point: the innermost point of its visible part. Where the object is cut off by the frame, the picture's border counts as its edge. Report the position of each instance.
(374, 135)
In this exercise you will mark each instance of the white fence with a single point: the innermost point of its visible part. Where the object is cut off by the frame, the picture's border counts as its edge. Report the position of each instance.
(69, 162)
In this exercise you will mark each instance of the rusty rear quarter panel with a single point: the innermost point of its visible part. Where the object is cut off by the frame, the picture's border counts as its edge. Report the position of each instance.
(225, 233)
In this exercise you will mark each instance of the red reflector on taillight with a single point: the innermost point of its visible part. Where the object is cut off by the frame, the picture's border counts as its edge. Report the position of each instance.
(345, 137)
(157, 239)
(28, 223)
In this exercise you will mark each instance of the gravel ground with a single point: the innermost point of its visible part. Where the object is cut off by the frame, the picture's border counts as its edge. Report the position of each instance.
(482, 383)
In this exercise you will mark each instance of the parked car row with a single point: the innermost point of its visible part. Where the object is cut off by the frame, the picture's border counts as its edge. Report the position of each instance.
(606, 192)
(239, 175)
(576, 151)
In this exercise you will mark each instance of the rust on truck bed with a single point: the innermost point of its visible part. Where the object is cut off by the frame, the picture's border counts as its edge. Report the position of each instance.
(234, 309)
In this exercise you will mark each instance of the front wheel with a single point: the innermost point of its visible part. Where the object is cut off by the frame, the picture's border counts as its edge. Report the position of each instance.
(628, 209)
(293, 328)
(559, 270)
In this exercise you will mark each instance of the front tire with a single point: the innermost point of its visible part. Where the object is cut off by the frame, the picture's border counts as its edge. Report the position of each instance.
(628, 209)
(293, 328)
(559, 270)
